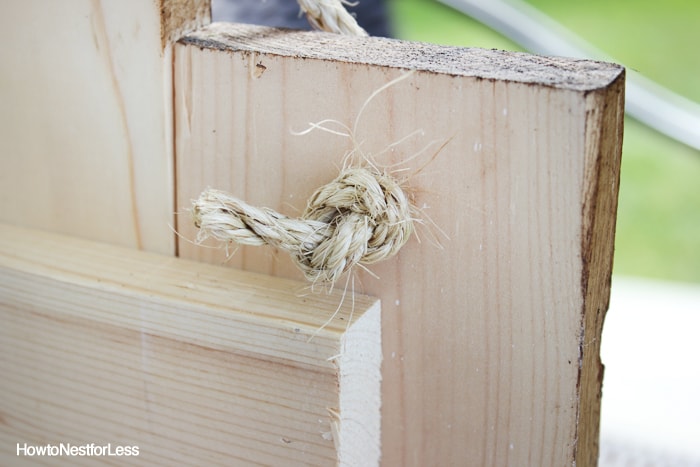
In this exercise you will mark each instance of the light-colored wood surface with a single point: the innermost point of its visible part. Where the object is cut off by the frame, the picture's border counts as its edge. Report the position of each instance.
(192, 363)
(490, 343)
(86, 117)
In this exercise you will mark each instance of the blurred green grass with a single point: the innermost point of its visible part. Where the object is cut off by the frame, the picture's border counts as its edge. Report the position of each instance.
(658, 226)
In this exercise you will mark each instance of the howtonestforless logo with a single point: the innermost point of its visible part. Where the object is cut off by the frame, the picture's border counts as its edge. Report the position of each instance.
(79, 450)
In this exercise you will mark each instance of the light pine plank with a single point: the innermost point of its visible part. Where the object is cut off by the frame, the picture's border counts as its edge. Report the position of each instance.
(86, 116)
(195, 364)
(491, 342)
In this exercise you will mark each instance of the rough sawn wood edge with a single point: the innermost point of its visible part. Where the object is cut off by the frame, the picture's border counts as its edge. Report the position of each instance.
(604, 132)
(492, 64)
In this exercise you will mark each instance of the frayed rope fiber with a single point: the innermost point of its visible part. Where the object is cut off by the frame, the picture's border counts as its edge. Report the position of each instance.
(363, 216)
(331, 16)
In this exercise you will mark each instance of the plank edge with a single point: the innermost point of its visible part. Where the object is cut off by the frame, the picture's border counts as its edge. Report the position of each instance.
(360, 394)
(490, 64)
(604, 132)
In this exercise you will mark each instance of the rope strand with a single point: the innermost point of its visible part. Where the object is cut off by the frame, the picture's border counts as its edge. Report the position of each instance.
(363, 216)
(331, 16)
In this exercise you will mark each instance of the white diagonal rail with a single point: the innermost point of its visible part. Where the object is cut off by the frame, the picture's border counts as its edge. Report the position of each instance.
(654, 105)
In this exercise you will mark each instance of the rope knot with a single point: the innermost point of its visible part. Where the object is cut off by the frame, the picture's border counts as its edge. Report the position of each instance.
(363, 216)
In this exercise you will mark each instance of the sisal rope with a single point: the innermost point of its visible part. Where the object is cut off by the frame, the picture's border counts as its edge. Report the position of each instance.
(331, 16)
(363, 216)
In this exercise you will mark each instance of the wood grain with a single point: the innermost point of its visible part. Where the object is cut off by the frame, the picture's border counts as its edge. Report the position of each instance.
(86, 117)
(195, 364)
(491, 341)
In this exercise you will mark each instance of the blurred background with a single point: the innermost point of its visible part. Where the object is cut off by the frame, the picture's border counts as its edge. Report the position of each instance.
(651, 412)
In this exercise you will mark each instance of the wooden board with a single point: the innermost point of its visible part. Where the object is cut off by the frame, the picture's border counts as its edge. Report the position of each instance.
(491, 342)
(86, 118)
(190, 363)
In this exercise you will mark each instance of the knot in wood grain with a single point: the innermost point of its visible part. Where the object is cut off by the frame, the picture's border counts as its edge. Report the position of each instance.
(363, 216)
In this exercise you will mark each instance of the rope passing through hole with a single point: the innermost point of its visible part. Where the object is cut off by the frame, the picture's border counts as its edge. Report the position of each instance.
(361, 217)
